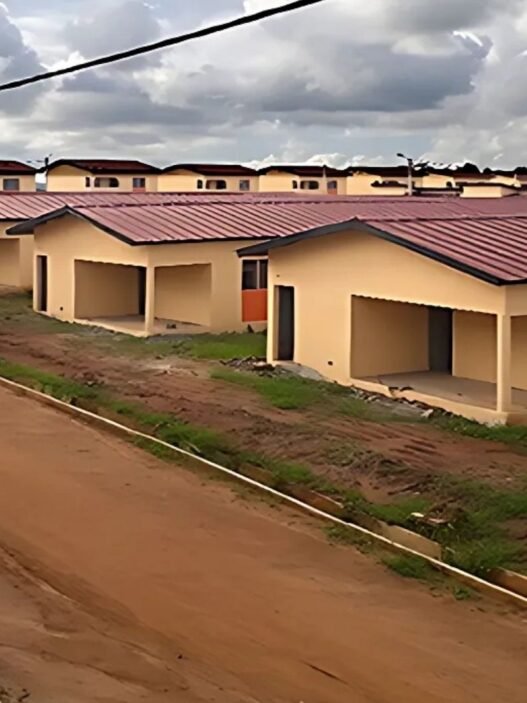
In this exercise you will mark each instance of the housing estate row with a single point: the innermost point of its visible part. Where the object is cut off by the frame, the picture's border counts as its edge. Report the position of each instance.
(420, 298)
(89, 175)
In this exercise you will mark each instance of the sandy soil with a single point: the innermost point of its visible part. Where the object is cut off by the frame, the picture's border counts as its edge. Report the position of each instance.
(183, 387)
(124, 579)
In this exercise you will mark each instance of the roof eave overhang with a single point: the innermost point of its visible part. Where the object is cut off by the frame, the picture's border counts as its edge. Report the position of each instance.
(356, 224)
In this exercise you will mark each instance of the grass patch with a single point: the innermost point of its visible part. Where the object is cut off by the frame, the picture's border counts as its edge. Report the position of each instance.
(410, 566)
(513, 435)
(17, 308)
(58, 386)
(215, 347)
(287, 393)
(340, 534)
(296, 393)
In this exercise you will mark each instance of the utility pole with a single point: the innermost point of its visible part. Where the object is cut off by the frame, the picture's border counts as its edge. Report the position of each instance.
(410, 163)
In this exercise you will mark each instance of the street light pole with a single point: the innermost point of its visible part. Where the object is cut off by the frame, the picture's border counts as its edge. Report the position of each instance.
(410, 163)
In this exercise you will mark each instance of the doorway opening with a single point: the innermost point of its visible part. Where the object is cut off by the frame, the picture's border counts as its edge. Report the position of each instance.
(42, 283)
(440, 339)
(286, 323)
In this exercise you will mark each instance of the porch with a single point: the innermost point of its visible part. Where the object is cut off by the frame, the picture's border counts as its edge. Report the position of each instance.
(143, 301)
(469, 363)
(462, 396)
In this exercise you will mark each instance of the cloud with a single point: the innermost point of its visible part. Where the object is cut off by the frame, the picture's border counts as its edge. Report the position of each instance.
(16, 61)
(346, 78)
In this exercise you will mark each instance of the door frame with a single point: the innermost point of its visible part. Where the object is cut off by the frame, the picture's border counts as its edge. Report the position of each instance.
(285, 328)
(42, 277)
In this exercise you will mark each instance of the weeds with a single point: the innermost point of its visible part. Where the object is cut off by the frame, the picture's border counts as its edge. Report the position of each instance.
(410, 566)
(340, 534)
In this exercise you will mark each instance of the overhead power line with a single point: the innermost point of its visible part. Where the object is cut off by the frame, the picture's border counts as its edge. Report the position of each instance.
(163, 44)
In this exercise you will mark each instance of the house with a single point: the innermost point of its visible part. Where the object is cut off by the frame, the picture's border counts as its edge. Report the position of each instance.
(423, 299)
(230, 178)
(16, 176)
(16, 253)
(312, 179)
(86, 175)
(145, 268)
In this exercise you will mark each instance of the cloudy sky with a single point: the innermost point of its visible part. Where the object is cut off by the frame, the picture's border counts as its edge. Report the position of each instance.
(352, 80)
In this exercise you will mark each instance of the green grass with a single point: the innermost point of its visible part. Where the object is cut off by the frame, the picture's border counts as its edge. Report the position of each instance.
(18, 308)
(287, 393)
(296, 393)
(515, 435)
(410, 566)
(340, 534)
(215, 347)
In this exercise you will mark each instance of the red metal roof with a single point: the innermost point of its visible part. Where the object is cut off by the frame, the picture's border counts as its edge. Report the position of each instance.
(213, 169)
(16, 168)
(104, 165)
(484, 237)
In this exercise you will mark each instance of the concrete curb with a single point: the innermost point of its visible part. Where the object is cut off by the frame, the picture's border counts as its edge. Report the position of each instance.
(493, 590)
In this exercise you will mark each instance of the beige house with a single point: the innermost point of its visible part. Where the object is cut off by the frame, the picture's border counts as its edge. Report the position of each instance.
(16, 253)
(427, 304)
(313, 179)
(206, 178)
(100, 175)
(149, 269)
(16, 177)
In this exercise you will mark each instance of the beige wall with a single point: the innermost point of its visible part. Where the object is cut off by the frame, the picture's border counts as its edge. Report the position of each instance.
(16, 258)
(187, 181)
(183, 293)
(27, 183)
(487, 191)
(282, 182)
(9, 268)
(64, 179)
(388, 337)
(103, 290)
(68, 239)
(327, 271)
(475, 348)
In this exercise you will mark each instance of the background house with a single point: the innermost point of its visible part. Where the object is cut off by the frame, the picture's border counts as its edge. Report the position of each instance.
(310, 179)
(16, 177)
(85, 175)
(231, 178)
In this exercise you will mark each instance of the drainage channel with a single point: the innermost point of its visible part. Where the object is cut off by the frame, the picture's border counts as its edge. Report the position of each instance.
(478, 584)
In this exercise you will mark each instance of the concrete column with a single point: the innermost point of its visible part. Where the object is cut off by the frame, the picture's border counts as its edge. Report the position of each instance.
(503, 376)
(150, 299)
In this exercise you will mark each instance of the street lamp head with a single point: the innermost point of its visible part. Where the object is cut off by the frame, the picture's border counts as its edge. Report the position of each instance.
(401, 156)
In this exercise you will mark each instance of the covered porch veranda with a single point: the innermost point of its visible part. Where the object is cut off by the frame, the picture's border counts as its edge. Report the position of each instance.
(143, 301)
(469, 363)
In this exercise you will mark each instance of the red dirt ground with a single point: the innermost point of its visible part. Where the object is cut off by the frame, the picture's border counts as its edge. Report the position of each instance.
(124, 579)
(183, 387)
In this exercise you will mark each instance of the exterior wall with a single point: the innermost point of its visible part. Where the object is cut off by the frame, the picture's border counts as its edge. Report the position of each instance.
(103, 290)
(360, 184)
(282, 182)
(435, 180)
(67, 239)
(64, 179)
(487, 191)
(388, 337)
(183, 294)
(26, 245)
(225, 276)
(327, 271)
(27, 183)
(187, 182)
(9, 269)
(475, 348)
(16, 259)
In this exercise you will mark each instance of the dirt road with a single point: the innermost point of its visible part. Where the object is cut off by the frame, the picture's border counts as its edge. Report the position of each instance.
(125, 579)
